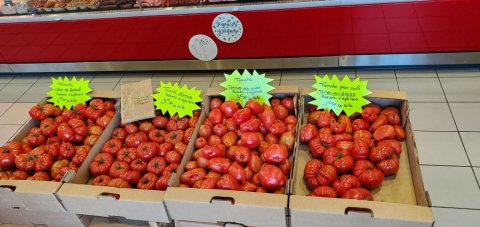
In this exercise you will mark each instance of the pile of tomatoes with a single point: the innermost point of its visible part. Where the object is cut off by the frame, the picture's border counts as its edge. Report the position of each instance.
(244, 149)
(60, 143)
(144, 154)
(351, 155)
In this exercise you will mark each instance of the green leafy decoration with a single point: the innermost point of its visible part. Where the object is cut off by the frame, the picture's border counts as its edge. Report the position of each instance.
(336, 95)
(174, 99)
(68, 93)
(243, 87)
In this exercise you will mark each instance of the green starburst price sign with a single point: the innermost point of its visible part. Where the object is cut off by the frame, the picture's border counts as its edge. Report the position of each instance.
(243, 87)
(68, 93)
(174, 99)
(345, 95)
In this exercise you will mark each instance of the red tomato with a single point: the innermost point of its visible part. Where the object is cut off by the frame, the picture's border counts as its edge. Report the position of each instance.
(80, 155)
(131, 128)
(251, 125)
(95, 109)
(215, 103)
(190, 177)
(254, 163)
(160, 122)
(394, 144)
(101, 164)
(127, 154)
(242, 116)
(250, 140)
(193, 122)
(214, 140)
(43, 162)
(344, 146)
(338, 127)
(57, 166)
(36, 113)
(215, 116)
(229, 139)
(147, 182)
(289, 104)
(360, 150)
(103, 121)
(286, 166)
(39, 176)
(162, 182)
(384, 132)
(271, 177)
(238, 172)
(370, 112)
(275, 154)
(381, 120)
(254, 106)
(220, 129)
(134, 140)
(180, 148)
(156, 135)
(205, 131)
(191, 165)
(19, 175)
(380, 153)
(67, 151)
(342, 163)
(278, 128)
(229, 108)
(173, 157)
(228, 182)
(112, 146)
(6, 160)
(324, 191)
(371, 178)
(362, 134)
(345, 183)
(267, 118)
(117, 168)
(139, 165)
(48, 127)
(362, 165)
(146, 127)
(156, 165)
(389, 166)
(360, 124)
(324, 119)
(174, 137)
(399, 132)
(358, 193)
(119, 133)
(187, 135)
(35, 137)
(308, 132)
(147, 150)
(220, 165)
(280, 111)
(326, 175)
(242, 154)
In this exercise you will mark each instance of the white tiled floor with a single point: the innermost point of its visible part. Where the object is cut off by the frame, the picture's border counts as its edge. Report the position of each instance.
(444, 107)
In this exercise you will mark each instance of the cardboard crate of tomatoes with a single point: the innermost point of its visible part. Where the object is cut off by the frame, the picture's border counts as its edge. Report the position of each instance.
(49, 150)
(360, 169)
(128, 176)
(239, 170)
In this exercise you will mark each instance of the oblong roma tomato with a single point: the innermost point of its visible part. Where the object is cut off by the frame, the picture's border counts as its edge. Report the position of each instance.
(358, 193)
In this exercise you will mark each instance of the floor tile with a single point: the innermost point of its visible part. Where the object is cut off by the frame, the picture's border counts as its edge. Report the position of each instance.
(20, 79)
(4, 106)
(451, 186)
(299, 83)
(107, 77)
(134, 77)
(167, 77)
(458, 72)
(198, 77)
(7, 132)
(36, 93)
(431, 117)
(375, 74)
(2, 86)
(466, 116)
(422, 89)
(447, 217)
(340, 73)
(12, 92)
(98, 86)
(204, 86)
(462, 89)
(471, 140)
(440, 148)
(5, 78)
(298, 74)
(477, 172)
(16, 114)
(382, 84)
(409, 73)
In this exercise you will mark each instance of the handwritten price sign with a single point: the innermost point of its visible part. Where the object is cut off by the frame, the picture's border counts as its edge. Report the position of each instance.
(243, 87)
(68, 93)
(174, 99)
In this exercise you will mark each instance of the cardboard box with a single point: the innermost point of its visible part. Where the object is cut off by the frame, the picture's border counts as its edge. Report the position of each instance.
(40, 195)
(52, 219)
(400, 201)
(213, 207)
(81, 197)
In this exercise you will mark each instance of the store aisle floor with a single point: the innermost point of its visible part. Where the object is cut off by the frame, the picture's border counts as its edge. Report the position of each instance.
(444, 107)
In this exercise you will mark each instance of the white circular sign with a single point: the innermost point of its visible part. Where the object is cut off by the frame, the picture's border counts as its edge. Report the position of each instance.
(203, 47)
(227, 28)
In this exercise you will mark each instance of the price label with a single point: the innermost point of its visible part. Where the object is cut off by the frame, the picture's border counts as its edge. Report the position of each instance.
(203, 47)
(227, 28)
(243, 87)
(136, 101)
(67, 93)
(174, 99)
(336, 95)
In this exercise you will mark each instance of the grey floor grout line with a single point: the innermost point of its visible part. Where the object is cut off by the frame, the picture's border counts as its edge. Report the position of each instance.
(417, 130)
(459, 135)
(444, 165)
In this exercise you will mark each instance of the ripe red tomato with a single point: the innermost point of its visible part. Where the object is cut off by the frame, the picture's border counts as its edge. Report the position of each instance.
(192, 123)
(118, 183)
(254, 163)
(381, 120)
(345, 183)
(112, 146)
(215, 116)
(19, 175)
(275, 154)
(271, 177)
(67, 151)
(163, 148)
(342, 163)
(156, 165)
(187, 135)
(399, 132)
(358, 193)
(39, 176)
(131, 128)
(35, 137)
(394, 144)
(316, 147)
(267, 118)
(360, 150)
(160, 122)
(280, 111)
(229, 139)
(384, 132)
(308, 132)
(6, 160)
(286, 166)
(209, 183)
(370, 112)
(362, 165)
(242, 116)
(95, 130)
(380, 153)
(117, 168)
(251, 125)
(95, 109)
(48, 127)
(139, 165)
(101, 164)
(173, 157)
(134, 140)
(371, 178)
(215, 103)
(80, 155)
(228, 182)
(324, 191)
(156, 135)
(278, 128)
(162, 182)
(242, 154)
(389, 166)
(220, 129)
(119, 133)
(147, 150)
(360, 124)
(238, 172)
(103, 121)
(324, 119)
(174, 137)
(43, 162)
(191, 165)
(219, 165)
(200, 142)
(127, 154)
(254, 106)
(57, 166)
(326, 175)
(250, 140)
(289, 104)
(190, 177)
(229, 108)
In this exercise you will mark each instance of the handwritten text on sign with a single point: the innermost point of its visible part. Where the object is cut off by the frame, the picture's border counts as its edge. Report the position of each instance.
(336, 95)
(227, 28)
(68, 93)
(173, 99)
(243, 87)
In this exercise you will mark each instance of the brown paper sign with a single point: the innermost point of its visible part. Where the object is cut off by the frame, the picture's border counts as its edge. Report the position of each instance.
(137, 101)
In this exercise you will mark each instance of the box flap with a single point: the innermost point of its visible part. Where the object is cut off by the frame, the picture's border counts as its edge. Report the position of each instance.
(30, 195)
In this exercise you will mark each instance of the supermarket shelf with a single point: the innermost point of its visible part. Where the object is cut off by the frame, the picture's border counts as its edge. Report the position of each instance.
(380, 60)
